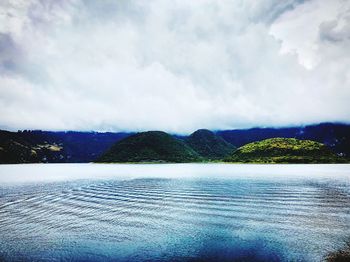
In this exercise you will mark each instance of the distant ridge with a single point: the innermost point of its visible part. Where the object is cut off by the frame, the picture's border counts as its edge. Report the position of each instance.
(151, 146)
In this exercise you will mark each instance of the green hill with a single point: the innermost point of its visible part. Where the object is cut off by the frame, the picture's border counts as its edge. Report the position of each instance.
(152, 146)
(209, 145)
(284, 150)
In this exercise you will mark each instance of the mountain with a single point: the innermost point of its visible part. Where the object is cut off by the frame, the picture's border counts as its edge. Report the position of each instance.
(335, 136)
(83, 147)
(151, 146)
(284, 150)
(209, 145)
(17, 150)
(54, 147)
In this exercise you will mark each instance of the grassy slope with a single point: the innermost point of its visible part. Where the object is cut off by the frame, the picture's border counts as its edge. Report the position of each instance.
(54, 147)
(17, 149)
(152, 146)
(284, 150)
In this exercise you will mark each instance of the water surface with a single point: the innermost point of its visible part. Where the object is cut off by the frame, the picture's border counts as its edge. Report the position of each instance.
(180, 212)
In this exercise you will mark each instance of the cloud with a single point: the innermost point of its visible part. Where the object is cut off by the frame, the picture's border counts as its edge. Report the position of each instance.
(172, 65)
(336, 30)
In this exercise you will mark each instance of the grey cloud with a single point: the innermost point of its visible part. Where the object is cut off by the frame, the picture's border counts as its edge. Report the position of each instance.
(269, 10)
(330, 32)
(170, 65)
(110, 9)
(10, 54)
(14, 62)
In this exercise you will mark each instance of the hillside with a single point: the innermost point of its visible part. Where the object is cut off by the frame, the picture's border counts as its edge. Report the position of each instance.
(335, 136)
(151, 146)
(284, 150)
(84, 147)
(54, 147)
(209, 145)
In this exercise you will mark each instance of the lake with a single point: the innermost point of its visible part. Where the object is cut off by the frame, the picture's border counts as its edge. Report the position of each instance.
(173, 212)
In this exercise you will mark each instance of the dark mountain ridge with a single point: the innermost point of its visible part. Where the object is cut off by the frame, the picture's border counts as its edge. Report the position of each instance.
(83, 147)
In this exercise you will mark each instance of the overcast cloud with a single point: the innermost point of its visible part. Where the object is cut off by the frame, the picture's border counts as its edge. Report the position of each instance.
(173, 65)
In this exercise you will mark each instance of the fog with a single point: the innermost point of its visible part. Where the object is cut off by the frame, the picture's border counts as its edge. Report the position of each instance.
(33, 173)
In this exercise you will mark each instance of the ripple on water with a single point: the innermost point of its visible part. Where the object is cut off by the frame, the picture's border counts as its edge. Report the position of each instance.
(174, 219)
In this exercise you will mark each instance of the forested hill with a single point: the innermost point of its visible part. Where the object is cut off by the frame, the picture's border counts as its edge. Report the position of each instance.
(285, 150)
(151, 146)
(209, 145)
(83, 147)
(335, 136)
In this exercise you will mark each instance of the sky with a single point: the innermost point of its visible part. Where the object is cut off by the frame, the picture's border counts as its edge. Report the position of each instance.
(173, 65)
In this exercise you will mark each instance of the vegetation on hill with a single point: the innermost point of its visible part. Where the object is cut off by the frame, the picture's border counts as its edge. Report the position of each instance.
(334, 135)
(82, 147)
(21, 148)
(151, 146)
(284, 150)
(209, 145)
(54, 147)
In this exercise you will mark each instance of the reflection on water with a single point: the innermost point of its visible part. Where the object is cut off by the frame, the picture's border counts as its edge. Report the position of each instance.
(215, 218)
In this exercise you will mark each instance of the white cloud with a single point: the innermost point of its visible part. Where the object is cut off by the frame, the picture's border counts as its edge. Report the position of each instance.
(301, 29)
(173, 65)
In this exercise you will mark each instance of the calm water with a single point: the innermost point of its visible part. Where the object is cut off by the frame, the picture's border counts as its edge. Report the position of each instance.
(189, 212)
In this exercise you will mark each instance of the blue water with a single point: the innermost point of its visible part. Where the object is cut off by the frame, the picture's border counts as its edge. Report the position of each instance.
(175, 218)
